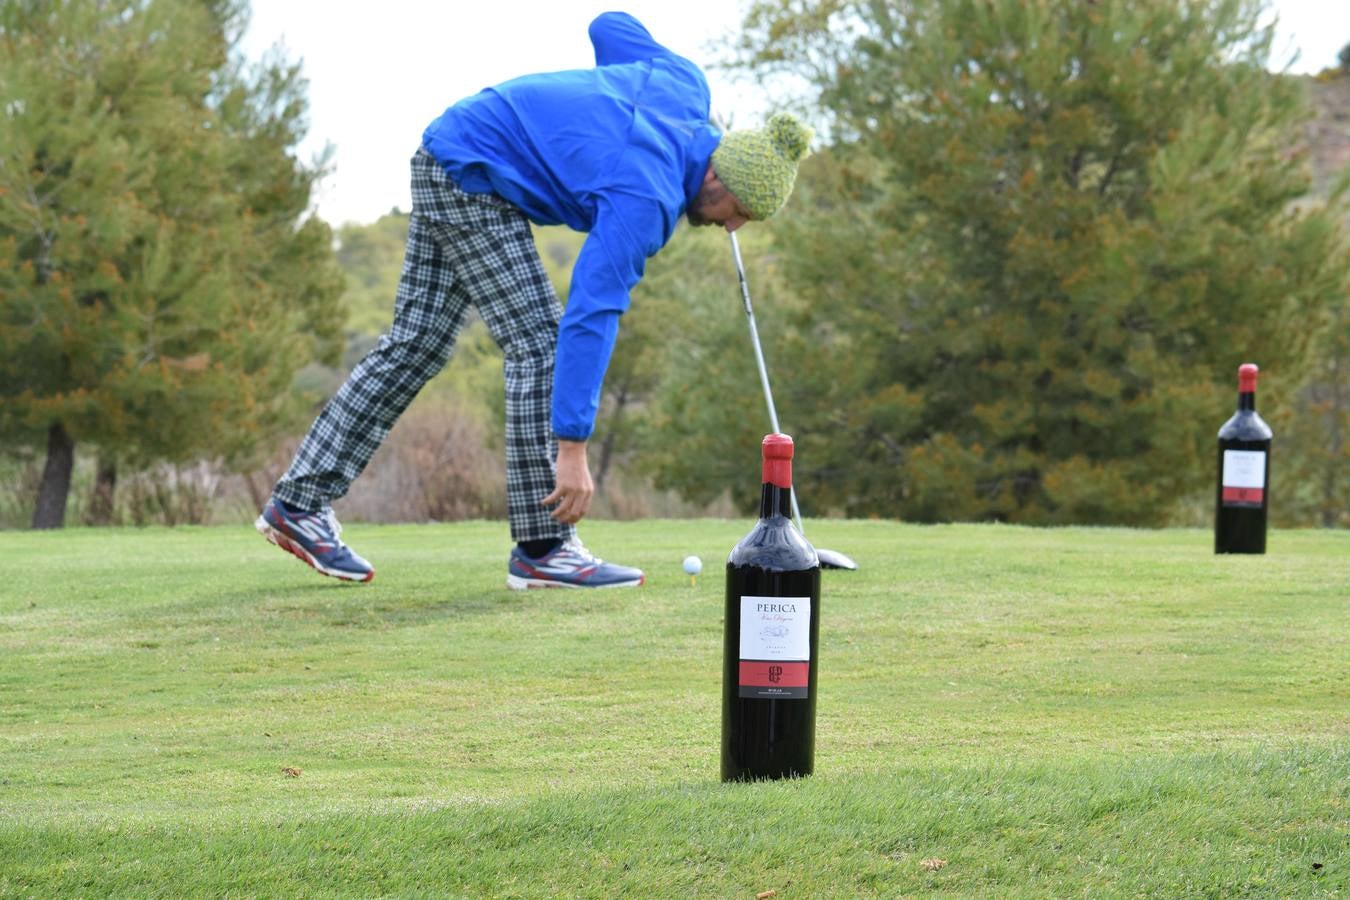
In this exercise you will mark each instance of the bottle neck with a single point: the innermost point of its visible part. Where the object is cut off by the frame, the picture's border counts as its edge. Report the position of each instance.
(775, 501)
(1246, 401)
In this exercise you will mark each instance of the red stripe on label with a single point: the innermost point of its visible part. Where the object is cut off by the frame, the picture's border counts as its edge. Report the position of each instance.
(1243, 495)
(774, 674)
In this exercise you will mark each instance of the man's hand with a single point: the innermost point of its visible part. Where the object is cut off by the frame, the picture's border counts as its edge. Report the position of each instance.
(573, 487)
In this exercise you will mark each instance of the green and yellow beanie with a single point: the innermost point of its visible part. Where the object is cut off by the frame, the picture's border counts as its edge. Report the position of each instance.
(760, 167)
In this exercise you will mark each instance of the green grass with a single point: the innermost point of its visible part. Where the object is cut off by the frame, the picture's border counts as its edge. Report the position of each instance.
(1050, 712)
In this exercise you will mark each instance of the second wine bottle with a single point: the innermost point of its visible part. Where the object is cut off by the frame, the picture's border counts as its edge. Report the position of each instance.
(1243, 495)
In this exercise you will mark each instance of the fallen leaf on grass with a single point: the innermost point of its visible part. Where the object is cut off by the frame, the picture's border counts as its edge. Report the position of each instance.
(290, 772)
(765, 895)
(933, 865)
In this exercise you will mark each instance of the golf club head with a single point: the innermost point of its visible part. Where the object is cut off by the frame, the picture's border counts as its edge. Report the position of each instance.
(833, 559)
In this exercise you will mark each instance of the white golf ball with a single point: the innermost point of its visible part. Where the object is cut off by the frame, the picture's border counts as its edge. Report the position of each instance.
(692, 565)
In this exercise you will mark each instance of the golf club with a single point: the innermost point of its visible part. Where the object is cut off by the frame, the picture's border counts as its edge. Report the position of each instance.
(829, 559)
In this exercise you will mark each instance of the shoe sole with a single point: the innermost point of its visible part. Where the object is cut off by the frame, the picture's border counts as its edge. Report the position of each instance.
(295, 549)
(517, 583)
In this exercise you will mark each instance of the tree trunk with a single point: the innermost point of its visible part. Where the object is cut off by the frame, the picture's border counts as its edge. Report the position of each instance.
(607, 446)
(55, 487)
(105, 488)
(1335, 416)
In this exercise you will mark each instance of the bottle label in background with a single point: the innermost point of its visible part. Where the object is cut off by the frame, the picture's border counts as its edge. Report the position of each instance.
(775, 652)
(1244, 477)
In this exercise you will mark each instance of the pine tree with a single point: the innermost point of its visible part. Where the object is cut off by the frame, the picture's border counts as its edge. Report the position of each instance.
(160, 283)
(1048, 234)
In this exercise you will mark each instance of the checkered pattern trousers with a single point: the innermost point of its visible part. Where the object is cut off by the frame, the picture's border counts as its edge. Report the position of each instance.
(462, 249)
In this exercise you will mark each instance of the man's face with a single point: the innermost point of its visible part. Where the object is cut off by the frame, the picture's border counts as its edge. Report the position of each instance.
(715, 205)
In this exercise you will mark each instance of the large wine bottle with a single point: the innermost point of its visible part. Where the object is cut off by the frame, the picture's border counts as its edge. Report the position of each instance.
(772, 629)
(1244, 474)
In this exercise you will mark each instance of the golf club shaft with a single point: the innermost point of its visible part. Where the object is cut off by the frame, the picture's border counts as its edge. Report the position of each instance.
(759, 358)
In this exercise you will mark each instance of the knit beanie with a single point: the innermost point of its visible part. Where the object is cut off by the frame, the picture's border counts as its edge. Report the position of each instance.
(760, 166)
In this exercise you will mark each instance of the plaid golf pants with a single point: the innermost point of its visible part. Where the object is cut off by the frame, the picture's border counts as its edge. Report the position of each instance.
(462, 249)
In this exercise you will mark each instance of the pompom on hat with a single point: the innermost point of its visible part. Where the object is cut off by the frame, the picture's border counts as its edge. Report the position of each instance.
(760, 166)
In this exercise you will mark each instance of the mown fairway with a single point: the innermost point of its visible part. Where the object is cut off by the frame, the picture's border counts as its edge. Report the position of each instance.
(1003, 712)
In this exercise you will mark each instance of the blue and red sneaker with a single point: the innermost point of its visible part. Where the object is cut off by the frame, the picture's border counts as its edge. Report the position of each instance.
(313, 537)
(569, 566)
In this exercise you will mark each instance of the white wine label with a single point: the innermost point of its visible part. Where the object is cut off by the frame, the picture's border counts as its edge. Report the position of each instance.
(1244, 477)
(775, 651)
(776, 628)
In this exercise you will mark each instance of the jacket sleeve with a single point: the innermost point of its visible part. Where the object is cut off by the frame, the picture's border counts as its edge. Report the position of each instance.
(620, 38)
(627, 231)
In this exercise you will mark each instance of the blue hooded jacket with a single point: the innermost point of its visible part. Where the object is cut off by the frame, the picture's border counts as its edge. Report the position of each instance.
(617, 151)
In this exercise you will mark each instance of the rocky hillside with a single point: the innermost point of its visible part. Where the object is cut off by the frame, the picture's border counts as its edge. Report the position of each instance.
(1329, 131)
